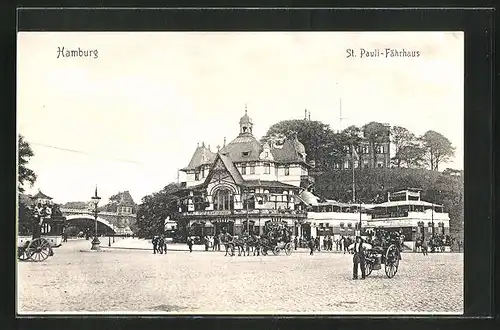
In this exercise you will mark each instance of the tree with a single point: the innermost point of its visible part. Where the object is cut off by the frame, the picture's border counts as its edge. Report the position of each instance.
(375, 133)
(400, 138)
(319, 140)
(413, 155)
(154, 209)
(438, 149)
(25, 174)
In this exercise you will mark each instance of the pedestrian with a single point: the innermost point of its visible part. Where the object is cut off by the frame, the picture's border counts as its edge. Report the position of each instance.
(317, 244)
(424, 248)
(206, 243)
(190, 244)
(165, 244)
(295, 242)
(358, 259)
(311, 245)
(65, 234)
(155, 244)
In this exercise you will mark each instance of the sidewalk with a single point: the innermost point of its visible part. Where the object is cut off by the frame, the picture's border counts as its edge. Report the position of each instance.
(142, 244)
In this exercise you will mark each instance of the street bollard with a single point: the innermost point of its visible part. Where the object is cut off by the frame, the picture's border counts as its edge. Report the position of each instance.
(113, 238)
(109, 241)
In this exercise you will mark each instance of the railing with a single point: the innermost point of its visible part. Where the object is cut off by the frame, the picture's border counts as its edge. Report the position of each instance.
(263, 212)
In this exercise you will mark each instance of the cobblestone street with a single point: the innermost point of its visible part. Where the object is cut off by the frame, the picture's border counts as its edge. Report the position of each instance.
(136, 280)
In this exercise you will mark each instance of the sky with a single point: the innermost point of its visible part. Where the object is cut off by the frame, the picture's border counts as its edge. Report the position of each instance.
(130, 118)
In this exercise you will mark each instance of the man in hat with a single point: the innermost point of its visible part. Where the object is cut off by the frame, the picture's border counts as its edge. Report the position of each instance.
(358, 258)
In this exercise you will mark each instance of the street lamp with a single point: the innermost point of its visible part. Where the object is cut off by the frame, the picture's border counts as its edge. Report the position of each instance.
(95, 202)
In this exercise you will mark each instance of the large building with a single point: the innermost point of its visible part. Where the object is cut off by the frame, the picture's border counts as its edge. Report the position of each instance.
(370, 156)
(244, 185)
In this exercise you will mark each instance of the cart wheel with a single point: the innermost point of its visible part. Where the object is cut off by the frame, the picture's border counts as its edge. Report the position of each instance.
(276, 250)
(391, 261)
(288, 249)
(39, 249)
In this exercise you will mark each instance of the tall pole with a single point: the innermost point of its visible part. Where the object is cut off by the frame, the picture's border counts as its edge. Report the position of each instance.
(95, 216)
(432, 218)
(248, 221)
(359, 218)
(353, 180)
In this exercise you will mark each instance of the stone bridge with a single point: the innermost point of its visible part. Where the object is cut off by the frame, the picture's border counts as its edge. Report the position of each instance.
(107, 222)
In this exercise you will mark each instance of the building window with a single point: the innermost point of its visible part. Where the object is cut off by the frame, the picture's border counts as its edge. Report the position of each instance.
(287, 170)
(243, 169)
(380, 164)
(252, 169)
(245, 153)
(266, 154)
(202, 172)
(196, 176)
(365, 163)
(267, 168)
(223, 200)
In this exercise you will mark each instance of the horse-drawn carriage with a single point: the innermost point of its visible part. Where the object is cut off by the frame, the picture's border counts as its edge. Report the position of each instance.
(40, 229)
(386, 250)
(274, 239)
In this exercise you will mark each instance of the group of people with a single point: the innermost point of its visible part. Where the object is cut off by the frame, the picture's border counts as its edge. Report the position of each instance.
(159, 244)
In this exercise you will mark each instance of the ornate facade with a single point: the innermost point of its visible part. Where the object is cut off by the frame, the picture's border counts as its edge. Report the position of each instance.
(244, 185)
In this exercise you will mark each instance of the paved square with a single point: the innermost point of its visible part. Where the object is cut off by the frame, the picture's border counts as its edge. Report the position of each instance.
(135, 280)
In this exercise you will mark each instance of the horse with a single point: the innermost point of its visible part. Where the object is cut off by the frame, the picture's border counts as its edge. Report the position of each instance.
(227, 240)
(240, 243)
(253, 244)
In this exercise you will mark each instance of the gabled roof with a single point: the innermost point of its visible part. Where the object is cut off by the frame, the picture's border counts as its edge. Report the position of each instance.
(202, 156)
(288, 152)
(228, 163)
(126, 198)
(229, 166)
(41, 195)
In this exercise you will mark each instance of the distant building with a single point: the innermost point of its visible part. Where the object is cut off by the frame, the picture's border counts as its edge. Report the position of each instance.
(368, 158)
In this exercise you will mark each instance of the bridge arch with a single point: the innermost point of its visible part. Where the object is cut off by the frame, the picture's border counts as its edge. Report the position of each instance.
(89, 219)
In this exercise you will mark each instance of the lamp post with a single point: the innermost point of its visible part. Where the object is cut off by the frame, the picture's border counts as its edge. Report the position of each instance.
(95, 202)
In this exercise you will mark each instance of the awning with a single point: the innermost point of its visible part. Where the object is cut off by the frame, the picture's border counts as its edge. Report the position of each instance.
(309, 198)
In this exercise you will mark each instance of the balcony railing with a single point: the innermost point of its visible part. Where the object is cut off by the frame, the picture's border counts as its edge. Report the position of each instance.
(237, 213)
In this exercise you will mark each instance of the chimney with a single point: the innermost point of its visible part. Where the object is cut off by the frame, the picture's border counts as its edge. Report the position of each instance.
(224, 141)
(309, 115)
(305, 114)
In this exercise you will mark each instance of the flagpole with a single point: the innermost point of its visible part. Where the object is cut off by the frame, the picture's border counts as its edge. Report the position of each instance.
(353, 177)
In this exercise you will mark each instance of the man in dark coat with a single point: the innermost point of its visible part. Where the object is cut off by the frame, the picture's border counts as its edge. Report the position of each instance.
(311, 245)
(295, 242)
(190, 244)
(358, 259)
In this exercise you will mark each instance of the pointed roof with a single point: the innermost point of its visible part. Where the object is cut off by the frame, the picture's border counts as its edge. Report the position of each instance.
(201, 156)
(245, 119)
(40, 195)
(231, 168)
(126, 199)
(289, 151)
